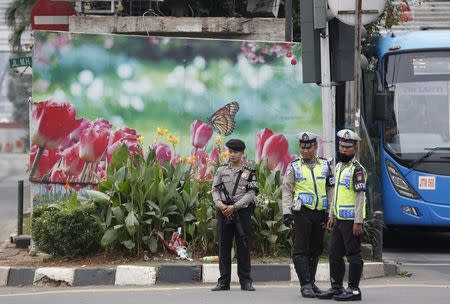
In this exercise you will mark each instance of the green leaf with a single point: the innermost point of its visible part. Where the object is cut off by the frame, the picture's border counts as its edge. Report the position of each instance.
(153, 244)
(108, 217)
(109, 237)
(118, 226)
(118, 214)
(265, 232)
(124, 187)
(282, 228)
(272, 238)
(189, 217)
(131, 222)
(120, 156)
(98, 196)
(129, 244)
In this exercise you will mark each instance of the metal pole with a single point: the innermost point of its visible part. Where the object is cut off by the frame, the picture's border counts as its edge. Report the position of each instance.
(357, 72)
(288, 20)
(20, 208)
(328, 104)
(378, 246)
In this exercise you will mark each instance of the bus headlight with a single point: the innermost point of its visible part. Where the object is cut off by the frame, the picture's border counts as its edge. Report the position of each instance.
(399, 182)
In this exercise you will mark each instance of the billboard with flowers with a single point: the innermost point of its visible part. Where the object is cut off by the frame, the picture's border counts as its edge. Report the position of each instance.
(181, 97)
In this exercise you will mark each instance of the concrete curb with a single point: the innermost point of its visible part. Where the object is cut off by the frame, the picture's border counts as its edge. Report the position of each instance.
(57, 275)
(4, 272)
(132, 275)
(135, 275)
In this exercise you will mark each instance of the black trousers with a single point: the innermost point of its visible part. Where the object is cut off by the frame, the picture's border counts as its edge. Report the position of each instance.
(344, 243)
(308, 232)
(226, 232)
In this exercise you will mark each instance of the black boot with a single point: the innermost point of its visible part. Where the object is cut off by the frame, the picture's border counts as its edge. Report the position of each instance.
(352, 293)
(220, 287)
(313, 262)
(301, 264)
(337, 271)
(247, 287)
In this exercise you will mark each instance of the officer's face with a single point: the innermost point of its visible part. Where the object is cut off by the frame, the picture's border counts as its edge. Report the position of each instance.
(308, 153)
(349, 151)
(235, 156)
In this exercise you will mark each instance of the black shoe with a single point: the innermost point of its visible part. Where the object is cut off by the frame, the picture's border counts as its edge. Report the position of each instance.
(350, 294)
(328, 294)
(247, 287)
(221, 287)
(307, 291)
(316, 289)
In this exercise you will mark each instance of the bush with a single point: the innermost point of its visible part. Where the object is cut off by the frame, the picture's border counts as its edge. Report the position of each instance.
(66, 229)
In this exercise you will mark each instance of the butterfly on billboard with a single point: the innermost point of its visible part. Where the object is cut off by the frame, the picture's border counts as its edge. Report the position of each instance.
(223, 119)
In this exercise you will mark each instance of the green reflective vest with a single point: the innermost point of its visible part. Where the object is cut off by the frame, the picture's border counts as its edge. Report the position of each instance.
(344, 193)
(310, 185)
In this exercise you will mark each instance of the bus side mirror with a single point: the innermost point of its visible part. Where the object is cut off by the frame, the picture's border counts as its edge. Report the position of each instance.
(382, 99)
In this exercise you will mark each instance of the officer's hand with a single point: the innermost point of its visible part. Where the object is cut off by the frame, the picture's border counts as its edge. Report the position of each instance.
(287, 219)
(357, 229)
(229, 211)
(330, 223)
(222, 207)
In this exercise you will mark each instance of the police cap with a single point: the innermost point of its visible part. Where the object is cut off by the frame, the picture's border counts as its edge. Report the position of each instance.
(236, 145)
(347, 138)
(307, 139)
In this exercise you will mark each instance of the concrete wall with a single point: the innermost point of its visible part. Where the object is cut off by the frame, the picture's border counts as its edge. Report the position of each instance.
(266, 29)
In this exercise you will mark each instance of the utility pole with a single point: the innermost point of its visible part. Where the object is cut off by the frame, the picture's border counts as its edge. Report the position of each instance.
(357, 72)
(288, 20)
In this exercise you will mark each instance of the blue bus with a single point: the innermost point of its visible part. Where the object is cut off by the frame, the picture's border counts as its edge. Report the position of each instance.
(406, 105)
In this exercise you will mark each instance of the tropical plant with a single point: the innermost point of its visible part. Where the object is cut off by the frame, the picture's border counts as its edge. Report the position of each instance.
(18, 16)
(271, 236)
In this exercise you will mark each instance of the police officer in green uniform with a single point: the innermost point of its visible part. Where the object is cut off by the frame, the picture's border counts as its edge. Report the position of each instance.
(306, 185)
(235, 181)
(347, 212)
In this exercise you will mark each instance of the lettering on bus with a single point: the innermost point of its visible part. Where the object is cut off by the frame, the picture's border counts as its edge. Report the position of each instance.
(427, 183)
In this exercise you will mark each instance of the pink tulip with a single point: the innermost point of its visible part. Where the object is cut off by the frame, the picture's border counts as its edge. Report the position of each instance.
(200, 134)
(127, 136)
(163, 153)
(51, 123)
(75, 135)
(274, 152)
(201, 155)
(71, 163)
(214, 156)
(47, 160)
(261, 138)
(93, 142)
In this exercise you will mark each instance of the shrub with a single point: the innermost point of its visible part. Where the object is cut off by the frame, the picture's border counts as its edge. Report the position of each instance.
(66, 229)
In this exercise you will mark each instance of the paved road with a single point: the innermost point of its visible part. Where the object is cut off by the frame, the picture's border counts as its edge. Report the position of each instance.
(424, 255)
(12, 168)
(386, 291)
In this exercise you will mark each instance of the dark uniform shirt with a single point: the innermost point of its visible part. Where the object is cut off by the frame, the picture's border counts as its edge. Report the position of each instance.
(245, 191)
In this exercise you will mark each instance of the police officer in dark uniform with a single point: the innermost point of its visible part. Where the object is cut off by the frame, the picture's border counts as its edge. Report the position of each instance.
(306, 186)
(347, 212)
(234, 189)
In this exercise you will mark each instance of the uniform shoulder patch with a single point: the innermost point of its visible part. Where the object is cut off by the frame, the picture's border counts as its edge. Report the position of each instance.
(295, 160)
(223, 165)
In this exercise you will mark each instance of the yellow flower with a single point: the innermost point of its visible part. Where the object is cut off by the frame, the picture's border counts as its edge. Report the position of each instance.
(218, 141)
(181, 160)
(141, 139)
(224, 154)
(173, 139)
(161, 132)
(67, 186)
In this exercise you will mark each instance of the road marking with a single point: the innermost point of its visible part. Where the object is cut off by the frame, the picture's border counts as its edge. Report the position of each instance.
(75, 291)
(425, 264)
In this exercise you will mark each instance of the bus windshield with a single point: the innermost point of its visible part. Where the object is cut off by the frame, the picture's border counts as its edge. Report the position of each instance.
(419, 118)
